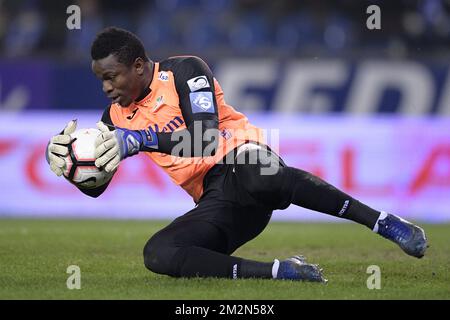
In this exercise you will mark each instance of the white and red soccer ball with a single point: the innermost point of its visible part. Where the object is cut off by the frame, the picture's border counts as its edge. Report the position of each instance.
(80, 162)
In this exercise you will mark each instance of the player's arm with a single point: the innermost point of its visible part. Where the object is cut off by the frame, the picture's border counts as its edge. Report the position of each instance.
(195, 87)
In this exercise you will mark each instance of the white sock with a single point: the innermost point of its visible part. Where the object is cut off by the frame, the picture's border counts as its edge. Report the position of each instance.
(381, 217)
(276, 265)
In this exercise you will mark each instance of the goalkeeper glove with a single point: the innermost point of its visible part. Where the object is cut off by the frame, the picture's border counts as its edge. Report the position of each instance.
(111, 147)
(57, 148)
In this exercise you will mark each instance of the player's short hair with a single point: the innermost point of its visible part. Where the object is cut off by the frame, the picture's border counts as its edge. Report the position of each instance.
(125, 45)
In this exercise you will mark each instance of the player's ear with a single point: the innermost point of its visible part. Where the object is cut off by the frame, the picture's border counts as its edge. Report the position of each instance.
(139, 65)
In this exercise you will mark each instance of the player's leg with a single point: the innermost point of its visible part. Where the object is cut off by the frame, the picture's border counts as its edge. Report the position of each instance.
(283, 185)
(199, 248)
(189, 249)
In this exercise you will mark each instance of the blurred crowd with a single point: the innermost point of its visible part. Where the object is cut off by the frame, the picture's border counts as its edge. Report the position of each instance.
(282, 28)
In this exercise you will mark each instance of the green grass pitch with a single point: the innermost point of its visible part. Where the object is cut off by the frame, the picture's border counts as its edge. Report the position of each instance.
(35, 254)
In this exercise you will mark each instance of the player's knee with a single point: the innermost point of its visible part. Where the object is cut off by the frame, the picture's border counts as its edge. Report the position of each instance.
(256, 181)
(268, 189)
(157, 256)
(151, 256)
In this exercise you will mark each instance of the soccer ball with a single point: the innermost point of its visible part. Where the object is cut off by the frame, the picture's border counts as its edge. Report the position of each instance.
(80, 162)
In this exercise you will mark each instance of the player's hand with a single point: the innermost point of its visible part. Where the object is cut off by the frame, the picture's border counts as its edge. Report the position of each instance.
(57, 148)
(107, 150)
(111, 147)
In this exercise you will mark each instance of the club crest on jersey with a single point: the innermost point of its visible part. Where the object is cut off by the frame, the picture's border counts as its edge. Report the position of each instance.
(198, 83)
(201, 102)
(163, 76)
(159, 102)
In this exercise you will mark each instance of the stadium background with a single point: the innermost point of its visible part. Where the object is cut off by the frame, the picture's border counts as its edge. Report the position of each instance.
(368, 110)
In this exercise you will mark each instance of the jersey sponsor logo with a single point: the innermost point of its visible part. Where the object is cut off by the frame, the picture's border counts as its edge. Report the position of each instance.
(198, 83)
(170, 126)
(163, 76)
(201, 102)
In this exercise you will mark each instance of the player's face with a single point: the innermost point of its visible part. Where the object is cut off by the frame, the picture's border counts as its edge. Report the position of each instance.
(121, 83)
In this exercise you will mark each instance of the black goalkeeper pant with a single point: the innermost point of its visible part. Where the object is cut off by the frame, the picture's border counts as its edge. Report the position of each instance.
(236, 206)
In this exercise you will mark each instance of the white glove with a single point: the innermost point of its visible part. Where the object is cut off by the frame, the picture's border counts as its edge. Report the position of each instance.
(111, 147)
(107, 149)
(57, 148)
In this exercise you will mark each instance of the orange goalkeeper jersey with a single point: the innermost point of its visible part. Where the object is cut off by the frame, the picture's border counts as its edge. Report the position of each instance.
(182, 90)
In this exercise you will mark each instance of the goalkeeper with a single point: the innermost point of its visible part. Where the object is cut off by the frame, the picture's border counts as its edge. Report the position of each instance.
(174, 111)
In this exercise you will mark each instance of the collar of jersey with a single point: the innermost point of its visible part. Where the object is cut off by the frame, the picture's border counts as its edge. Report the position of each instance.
(141, 103)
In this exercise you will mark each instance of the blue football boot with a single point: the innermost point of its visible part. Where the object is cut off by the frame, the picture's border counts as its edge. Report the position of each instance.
(296, 268)
(408, 236)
